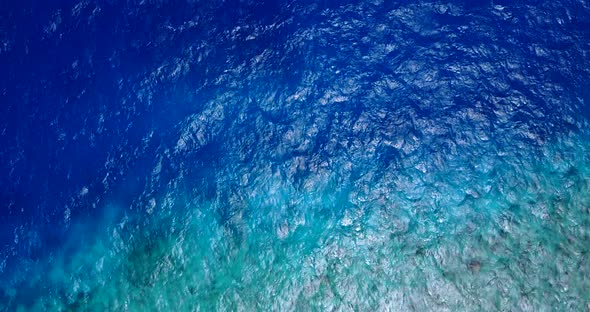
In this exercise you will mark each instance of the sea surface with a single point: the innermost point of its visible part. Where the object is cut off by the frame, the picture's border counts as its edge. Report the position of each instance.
(294, 155)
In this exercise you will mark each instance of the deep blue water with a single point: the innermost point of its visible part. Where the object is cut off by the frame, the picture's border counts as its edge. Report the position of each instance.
(295, 155)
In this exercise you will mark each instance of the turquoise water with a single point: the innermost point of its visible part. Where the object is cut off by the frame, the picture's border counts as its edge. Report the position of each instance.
(295, 156)
(488, 232)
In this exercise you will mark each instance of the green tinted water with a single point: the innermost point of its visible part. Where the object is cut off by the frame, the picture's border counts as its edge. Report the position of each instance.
(486, 234)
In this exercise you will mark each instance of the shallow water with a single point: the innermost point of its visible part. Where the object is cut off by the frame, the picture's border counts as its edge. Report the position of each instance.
(296, 156)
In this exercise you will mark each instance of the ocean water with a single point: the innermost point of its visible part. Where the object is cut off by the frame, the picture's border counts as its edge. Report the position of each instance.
(295, 156)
